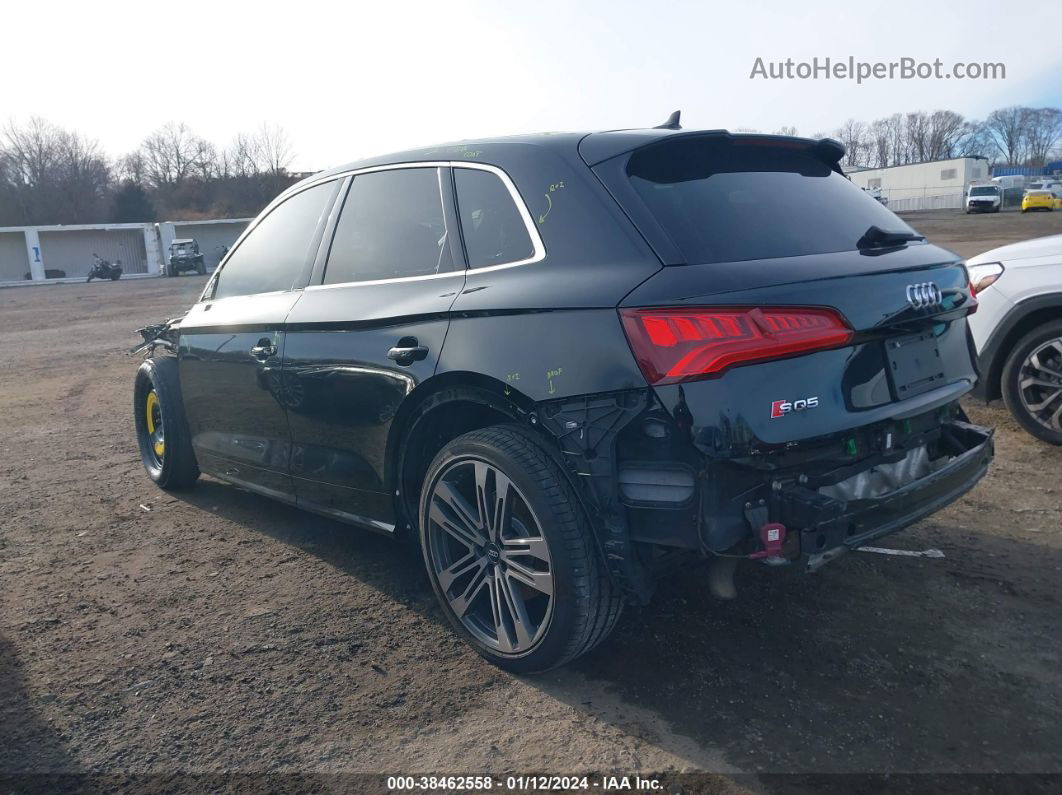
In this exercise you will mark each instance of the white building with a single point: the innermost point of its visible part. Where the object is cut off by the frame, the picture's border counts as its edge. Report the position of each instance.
(39, 253)
(934, 185)
(64, 253)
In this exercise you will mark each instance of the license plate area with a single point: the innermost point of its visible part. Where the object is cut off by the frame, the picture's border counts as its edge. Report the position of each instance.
(915, 365)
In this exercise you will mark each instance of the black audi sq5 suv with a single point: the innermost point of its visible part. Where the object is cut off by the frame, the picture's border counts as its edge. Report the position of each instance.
(562, 364)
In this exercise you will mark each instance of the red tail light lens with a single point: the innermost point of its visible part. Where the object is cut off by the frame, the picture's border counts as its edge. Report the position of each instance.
(685, 344)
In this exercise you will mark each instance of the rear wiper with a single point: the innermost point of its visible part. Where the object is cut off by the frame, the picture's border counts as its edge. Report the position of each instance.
(876, 237)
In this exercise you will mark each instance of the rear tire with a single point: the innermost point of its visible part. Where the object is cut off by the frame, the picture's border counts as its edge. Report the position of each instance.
(474, 556)
(161, 428)
(1038, 409)
(200, 268)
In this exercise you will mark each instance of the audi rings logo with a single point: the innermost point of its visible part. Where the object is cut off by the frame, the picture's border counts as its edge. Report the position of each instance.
(924, 295)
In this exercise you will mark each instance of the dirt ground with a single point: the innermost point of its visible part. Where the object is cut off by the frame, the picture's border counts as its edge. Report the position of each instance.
(972, 234)
(143, 632)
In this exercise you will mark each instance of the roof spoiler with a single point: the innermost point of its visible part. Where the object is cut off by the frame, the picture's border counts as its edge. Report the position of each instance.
(831, 152)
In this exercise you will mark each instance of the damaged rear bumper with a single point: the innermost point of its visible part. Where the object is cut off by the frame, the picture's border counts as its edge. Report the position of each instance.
(830, 494)
(826, 526)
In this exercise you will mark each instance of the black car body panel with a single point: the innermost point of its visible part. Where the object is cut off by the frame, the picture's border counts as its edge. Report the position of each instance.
(239, 429)
(324, 393)
(853, 383)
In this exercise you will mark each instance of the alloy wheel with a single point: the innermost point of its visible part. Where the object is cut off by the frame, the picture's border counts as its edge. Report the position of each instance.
(490, 557)
(1040, 384)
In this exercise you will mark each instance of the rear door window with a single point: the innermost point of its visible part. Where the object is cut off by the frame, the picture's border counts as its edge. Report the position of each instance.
(727, 201)
(493, 229)
(275, 252)
(392, 226)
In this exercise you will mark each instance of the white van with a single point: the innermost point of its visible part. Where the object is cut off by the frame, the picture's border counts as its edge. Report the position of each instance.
(984, 198)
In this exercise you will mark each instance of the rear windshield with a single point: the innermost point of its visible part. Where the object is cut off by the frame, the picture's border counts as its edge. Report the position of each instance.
(728, 201)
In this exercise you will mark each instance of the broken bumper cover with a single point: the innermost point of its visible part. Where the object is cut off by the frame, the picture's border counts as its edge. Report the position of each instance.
(828, 526)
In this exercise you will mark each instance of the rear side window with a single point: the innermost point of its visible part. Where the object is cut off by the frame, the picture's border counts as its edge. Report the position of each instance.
(494, 231)
(274, 253)
(728, 201)
(392, 226)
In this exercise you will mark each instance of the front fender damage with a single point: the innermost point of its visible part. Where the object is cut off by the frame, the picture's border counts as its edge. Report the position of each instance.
(158, 335)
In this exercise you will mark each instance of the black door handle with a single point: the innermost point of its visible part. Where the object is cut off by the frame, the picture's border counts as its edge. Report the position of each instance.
(264, 349)
(407, 351)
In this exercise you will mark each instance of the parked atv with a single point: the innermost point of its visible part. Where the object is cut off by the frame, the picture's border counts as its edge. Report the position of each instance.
(185, 256)
(102, 269)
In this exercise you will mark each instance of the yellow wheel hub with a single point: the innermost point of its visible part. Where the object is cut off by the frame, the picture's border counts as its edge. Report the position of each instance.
(153, 415)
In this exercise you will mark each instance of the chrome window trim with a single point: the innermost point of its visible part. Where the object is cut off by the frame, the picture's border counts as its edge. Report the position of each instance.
(539, 250)
(210, 286)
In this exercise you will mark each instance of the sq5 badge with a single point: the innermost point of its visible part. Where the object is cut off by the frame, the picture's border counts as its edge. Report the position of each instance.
(781, 408)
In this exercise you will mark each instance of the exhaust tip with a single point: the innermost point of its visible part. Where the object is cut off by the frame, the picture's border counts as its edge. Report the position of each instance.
(721, 577)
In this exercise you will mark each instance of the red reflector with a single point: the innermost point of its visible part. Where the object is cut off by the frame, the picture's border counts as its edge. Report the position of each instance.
(684, 344)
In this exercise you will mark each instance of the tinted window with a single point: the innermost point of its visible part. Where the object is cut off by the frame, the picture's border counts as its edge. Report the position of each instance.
(274, 253)
(729, 201)
(392, 226)
(492, 227)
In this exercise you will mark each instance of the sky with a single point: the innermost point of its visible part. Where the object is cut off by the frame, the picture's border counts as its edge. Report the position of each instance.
(349, 80)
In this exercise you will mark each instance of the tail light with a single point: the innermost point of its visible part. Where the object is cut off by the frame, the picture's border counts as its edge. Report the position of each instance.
(685, 344)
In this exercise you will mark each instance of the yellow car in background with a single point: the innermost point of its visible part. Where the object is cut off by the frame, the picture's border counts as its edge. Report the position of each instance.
(1040, 200)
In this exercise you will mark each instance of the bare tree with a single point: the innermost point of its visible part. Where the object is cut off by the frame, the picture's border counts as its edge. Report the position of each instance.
(173, 154)
(976, 141)
(274, 149)
(787, 129)
(881, 145)
(1043, 130)
(916, 129)
(1008, 128)
(853, 134)
(131, 168)
(50, 175)
(944, 130)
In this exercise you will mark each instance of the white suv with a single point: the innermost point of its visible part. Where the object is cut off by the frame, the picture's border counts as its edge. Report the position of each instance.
(1018, 331)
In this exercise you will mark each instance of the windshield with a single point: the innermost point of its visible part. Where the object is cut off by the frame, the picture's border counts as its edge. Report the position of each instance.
(741, 199)
(983, 191)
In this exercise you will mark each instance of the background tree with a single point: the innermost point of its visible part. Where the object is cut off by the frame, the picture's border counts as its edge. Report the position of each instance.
(173, 154)
(853, 134)
(1043, 129)
(1008, 132)
(49, 175)
(131, 204)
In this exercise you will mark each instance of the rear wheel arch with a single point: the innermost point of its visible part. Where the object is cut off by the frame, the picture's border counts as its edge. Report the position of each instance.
(449, 406)
(436, 412)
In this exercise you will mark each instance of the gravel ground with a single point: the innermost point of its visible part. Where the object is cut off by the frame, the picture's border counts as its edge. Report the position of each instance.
(218, 631)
